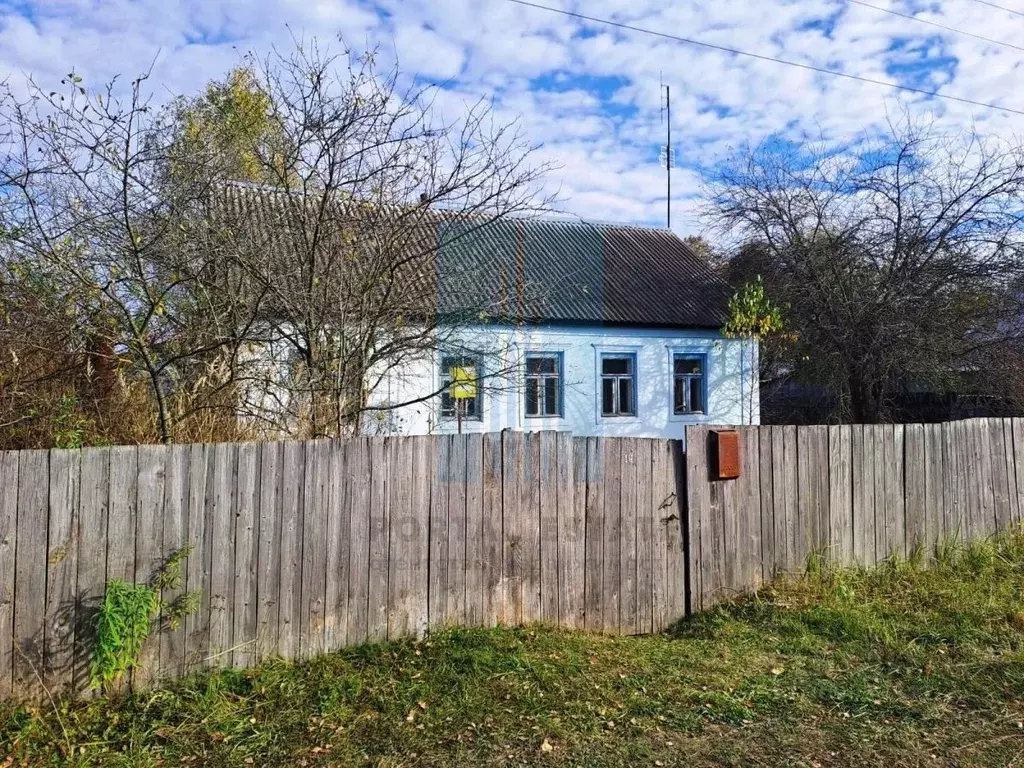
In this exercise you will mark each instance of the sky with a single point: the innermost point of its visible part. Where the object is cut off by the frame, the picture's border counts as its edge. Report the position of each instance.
(588, 94)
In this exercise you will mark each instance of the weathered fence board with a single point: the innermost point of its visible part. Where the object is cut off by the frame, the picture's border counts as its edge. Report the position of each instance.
(861, 494)
(297, 548)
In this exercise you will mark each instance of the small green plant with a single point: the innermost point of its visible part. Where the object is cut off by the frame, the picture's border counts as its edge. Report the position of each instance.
(69, 426)
(126, 617)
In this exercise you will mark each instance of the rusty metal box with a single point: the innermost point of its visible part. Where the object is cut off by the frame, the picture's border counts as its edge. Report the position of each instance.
(725, 444)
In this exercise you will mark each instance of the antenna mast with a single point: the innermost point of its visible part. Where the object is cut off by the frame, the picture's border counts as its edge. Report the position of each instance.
(666, 116)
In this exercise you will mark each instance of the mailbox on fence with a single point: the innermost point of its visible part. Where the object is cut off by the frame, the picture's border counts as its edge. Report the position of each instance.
(725, 449)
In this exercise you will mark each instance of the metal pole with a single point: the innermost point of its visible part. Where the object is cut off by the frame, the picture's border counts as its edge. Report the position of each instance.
(668, 158)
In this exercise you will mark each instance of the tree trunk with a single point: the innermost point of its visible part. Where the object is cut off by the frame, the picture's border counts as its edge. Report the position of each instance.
(865, 398)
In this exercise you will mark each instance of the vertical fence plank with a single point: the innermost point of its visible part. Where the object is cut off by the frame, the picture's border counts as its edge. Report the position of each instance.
(455, 479)
(92, 557)
(612, 471)
(628, 624)
(30, 573)
(438, 586)
(700, 550)
(769, 556)
(197, 566)
(293, 524)
(662, 599)
(748, 509)
(915, 472)
(673, 514)
(268, 555)
(572, 532)
(246, 521)
(222, 566)
(400, 482)
(932, 486)
(493, 537)
(530, 527)
(644, 538)
(314, 549)
(1000, 477)
(339, 544)
(512, 520)
(594, 588)
(548, 528)
(1017, 427)
(1009, 457)
(175, 539)
(419, 544)
(475, 552)
(149, 546)
(360, 482)
(8, 537)
(377, 589)
(62, 570)
(840, 478)
(807, 495)
(789, 484)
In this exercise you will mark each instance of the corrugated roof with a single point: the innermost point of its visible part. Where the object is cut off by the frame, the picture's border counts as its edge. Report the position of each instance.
(538, 269)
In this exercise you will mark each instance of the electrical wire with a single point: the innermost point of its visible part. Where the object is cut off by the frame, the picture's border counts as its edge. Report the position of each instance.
(764, 57)
(1000, 7)
(930, 23)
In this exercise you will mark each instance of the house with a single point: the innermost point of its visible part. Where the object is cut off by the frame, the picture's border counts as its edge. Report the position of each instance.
(598, 329)
(496, 322)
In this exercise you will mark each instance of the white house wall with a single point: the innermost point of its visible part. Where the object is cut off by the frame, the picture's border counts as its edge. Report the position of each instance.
(502, 350)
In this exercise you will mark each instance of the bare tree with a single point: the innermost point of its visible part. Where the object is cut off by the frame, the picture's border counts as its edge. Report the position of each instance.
(93, 202)
(367, 192)
(895, 259)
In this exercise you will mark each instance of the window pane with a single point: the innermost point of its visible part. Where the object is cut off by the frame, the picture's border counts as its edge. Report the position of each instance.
(607, 396)
(696, 395)
(551, 397)
(447, 404)
(532, 396)
(625, 396)
(616, 365)
(538, 364)
(679, 396)
(687, 365)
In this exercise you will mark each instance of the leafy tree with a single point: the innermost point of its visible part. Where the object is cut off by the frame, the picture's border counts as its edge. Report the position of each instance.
(754, 318)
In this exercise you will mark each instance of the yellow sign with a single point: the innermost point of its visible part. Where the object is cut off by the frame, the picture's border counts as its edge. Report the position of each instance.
(463, 383)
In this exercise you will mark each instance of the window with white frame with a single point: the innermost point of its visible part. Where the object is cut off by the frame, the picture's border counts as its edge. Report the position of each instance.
(456, 368)
(543, 384)
(618, 384)
(688, 384)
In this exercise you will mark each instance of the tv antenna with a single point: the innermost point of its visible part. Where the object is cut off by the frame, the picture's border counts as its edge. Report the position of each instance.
(666, 151)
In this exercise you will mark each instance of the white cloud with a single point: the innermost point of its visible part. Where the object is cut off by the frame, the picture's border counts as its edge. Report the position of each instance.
(588, 93)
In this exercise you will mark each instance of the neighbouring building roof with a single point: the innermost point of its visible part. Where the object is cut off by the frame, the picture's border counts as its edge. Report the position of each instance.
(529, 269)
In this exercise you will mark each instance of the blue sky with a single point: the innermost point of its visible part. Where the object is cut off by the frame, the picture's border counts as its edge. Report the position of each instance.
(589, 94)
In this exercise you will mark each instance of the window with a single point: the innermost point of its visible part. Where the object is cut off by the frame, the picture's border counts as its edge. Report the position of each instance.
(456, 366)
(687, 384)
(544, 384)
(618, 385)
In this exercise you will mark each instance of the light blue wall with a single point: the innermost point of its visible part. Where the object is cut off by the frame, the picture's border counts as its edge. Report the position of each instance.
(728, 383)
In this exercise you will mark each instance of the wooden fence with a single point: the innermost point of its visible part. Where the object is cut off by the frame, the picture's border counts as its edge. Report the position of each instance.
(306, 547)
(856, 494)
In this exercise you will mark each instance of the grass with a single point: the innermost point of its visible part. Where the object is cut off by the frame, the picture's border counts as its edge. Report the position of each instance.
(899, 666)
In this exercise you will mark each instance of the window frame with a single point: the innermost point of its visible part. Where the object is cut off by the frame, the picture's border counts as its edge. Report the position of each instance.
(633, 378)
(444, 382)
(559, 375)
(702, 358)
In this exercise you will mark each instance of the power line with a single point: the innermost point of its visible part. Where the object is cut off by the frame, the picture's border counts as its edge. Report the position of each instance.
(1000, 7)
(919, 20)
(764, 57)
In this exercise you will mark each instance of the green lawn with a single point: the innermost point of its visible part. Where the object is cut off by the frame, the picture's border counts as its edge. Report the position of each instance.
(899, 666)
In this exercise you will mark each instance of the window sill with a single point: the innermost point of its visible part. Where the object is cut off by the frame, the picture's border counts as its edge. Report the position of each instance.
(689, 418)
